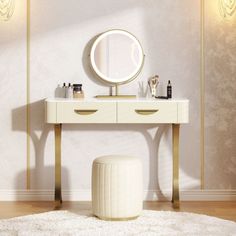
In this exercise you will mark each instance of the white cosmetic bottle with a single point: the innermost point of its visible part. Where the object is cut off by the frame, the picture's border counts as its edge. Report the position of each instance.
(69, 91)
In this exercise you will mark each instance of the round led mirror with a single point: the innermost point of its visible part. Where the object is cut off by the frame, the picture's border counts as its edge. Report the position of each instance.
(116, 57)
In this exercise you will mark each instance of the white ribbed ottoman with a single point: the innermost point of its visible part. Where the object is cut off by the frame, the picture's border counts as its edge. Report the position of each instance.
(117, 187)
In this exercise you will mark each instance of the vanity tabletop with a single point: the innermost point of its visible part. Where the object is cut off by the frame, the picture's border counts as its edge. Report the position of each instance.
(61, 100)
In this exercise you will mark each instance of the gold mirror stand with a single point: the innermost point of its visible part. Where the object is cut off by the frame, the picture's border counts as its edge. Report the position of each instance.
(116, 96)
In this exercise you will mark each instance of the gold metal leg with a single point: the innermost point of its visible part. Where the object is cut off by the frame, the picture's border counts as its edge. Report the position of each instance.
(58, 198)
(175, 153)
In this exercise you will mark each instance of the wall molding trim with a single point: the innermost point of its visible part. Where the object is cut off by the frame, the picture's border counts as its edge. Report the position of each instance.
(28, 123)
(202, 93)
(85, 195)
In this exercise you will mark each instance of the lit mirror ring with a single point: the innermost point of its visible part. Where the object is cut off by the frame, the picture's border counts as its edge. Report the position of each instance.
(137, 56)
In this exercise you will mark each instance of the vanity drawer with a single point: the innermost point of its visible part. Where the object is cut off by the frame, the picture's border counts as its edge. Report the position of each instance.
(147, 112)
(86, 112)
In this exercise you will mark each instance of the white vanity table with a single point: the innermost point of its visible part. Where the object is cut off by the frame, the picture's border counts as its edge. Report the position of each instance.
(136, 111)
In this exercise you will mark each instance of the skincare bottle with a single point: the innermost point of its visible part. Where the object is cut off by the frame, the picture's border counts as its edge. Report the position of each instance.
(169, 90)
(69, 91)
(64, 90)
(77, 91)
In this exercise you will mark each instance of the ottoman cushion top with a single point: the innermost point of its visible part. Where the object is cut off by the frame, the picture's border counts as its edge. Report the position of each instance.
(115, 159)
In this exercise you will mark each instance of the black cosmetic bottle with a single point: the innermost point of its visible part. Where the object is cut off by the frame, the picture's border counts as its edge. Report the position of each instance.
(169, 90)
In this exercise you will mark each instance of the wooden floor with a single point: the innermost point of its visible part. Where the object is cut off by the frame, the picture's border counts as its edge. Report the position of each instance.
(225, 210)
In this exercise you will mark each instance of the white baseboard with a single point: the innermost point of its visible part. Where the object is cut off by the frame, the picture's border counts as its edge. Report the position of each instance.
(149, 195)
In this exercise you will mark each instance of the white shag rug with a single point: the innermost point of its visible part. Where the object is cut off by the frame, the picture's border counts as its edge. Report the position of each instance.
(150, 223)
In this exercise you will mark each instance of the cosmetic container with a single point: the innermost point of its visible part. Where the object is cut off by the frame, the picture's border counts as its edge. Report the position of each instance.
(77, 91)
(69, 91)
(63, 90)
(169, 90)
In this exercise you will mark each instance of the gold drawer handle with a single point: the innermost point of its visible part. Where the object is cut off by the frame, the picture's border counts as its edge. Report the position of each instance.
(146, 112)
(85, 112)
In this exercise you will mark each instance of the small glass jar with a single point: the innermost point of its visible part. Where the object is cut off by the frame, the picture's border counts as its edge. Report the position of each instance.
(77, 91)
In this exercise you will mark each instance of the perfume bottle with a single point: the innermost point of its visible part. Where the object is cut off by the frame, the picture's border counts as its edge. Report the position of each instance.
(169, 90)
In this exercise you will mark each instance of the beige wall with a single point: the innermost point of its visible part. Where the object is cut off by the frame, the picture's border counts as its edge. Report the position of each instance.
(170, 34)
(220, 165)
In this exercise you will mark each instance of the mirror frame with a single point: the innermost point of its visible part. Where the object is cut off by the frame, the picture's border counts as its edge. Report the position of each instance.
(126, 79)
